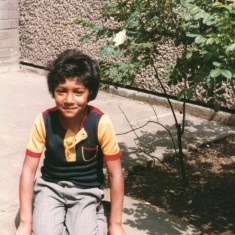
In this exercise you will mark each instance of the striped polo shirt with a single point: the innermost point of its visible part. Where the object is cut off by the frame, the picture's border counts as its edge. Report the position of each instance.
(76, 157)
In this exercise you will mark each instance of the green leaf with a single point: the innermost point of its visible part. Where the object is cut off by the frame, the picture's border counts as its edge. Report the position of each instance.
(189, 55)
(97, 28)
(209, 20)
(200, 39)
(199, 78)
(133, 15)
(118, 79)
(107, 50)
(218, 4)
(190, 93)
(215, 73)
(110, 51)
(195, 10)
(181, 94)
(128, 82)
(122, 66)
(191, 35)
(86, 38)
(113, 73)
(132, 24)
(102, 51)
(210, 41)
(226, 73)
(216, 64)
(201, 15)
(230, 48)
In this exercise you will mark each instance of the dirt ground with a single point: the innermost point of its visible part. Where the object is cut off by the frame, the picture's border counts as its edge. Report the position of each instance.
(209, 200)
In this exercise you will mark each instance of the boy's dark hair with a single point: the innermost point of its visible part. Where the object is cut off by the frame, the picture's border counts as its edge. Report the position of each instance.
(73, 63)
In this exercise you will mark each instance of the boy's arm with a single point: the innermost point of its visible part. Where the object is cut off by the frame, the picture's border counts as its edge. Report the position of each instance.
(26, 194)
(116, 194)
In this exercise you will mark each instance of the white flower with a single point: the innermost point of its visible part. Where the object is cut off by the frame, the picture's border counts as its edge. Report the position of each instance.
(190, 202)
(120, 38)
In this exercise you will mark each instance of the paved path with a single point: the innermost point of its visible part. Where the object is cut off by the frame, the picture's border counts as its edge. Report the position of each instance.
(24, 94)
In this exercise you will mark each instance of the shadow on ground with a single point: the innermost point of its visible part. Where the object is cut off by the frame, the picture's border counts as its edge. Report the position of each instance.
(209, 201)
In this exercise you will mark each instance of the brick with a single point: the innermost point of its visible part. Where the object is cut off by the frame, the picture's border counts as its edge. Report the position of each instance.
(15, 1)
(14, 33)
(13, 14)
(4, 14)
(9, 33)
(4, 34)
(9, 43)
(9, 24)
(4, 52)
(4, 24)
(6, 5)
(9, 52)
(9, 60)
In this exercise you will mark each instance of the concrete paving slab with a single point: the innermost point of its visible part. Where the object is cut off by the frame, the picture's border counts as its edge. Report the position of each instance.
(140, 218)
(24, 94)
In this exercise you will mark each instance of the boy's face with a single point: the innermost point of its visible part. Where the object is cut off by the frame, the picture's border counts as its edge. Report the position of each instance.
(71, 98)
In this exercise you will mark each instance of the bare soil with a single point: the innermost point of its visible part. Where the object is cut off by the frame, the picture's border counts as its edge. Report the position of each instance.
(208, 202)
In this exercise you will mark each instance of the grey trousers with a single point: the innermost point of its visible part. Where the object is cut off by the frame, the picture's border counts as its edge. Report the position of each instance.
(65, 209)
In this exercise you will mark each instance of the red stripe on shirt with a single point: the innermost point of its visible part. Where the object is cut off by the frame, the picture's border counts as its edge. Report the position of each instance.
(84, 117)
(96, 110)
(50, 110)
(113, 157)
(32, 154)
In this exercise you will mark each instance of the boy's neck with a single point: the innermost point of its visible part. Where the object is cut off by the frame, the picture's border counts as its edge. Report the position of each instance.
(74, 124)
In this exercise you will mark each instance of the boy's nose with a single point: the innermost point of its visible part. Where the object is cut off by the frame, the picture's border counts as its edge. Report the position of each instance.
(69, 98)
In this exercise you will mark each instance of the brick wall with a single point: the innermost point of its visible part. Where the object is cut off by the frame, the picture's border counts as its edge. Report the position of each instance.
(9, 35)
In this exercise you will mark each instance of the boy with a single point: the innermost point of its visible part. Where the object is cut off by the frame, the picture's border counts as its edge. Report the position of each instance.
(77, 137)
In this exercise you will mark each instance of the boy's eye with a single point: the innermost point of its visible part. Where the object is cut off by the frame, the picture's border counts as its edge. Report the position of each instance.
(60, 90)
(78, 92)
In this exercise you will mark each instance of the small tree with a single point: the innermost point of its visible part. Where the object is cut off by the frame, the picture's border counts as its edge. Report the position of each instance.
(200, 28)
(208, 59)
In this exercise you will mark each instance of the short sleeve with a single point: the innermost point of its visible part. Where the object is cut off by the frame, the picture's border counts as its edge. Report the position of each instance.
(37, 138)
(107, 139)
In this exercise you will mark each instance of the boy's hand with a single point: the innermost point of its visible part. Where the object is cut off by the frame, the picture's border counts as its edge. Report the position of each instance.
(116, 229)
(24, 229)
